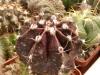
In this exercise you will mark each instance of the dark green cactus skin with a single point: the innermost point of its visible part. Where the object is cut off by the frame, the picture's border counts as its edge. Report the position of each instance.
(69, 3)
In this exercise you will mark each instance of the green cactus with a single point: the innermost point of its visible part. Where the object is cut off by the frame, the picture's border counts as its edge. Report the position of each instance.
(88, 25)
(93, 31)
(69, 3)
(7, 43)
(97, 20)
(78, 19)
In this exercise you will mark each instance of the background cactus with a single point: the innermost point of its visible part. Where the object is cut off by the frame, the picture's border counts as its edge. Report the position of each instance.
(69, 3)
(87, 24)
(12, 16)
(47, 6)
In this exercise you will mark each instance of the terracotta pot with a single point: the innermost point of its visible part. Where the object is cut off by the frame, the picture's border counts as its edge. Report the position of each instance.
(75, 72)
(85, 64)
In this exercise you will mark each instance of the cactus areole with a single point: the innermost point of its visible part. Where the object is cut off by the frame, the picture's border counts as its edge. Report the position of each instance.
(48, 45)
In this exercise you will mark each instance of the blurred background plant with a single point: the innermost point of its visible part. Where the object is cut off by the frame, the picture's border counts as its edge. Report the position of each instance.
(69, 3)
(12, 17)
(87, 22)
(87, 19)
(94, 3)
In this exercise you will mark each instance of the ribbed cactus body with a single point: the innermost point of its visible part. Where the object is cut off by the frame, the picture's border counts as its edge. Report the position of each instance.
(93, 31)
(46, 44)
(97, 20)
(78, 18)
(88, 26)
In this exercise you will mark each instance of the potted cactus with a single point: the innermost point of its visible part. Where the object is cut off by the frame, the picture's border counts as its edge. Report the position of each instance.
(50, 45)
(51, 41)
(88, 29)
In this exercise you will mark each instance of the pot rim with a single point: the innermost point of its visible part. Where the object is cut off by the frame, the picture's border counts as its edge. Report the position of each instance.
(78, 71)
(91, 55)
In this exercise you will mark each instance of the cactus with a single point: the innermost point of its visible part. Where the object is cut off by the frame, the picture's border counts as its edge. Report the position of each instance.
(93, 31)
(97, 20)
(88, 25)
(8, 44)
(47, 6)
(78, 18)
(69, 3)
(48, 45)
(54, 42)
(12, 16)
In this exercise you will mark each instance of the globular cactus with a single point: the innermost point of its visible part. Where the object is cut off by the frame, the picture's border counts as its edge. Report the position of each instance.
(12, 16)
(88, 26)
(93, 31)
(48, 45)
(47, 6)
